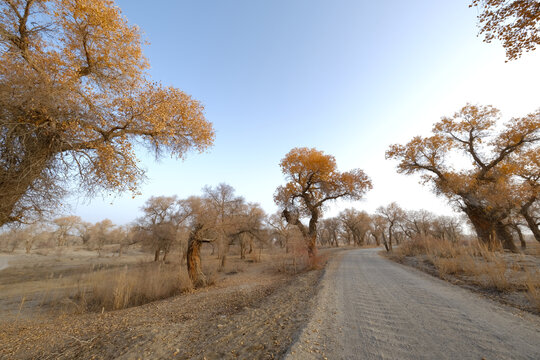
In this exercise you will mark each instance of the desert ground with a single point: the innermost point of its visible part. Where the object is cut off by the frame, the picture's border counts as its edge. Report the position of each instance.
(357, 303)
(255, 308)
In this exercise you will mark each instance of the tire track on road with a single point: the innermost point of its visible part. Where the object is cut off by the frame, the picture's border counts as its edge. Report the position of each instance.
(371, 308)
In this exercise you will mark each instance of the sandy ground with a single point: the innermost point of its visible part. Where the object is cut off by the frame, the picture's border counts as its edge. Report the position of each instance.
(372, 308)
(254, 314)
(34, 280)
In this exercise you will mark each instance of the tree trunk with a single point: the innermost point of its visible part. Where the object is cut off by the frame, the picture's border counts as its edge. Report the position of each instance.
(385, 243)
(19, 176)
(309, 234)
(530, 220)
(193, 257)
(482, 225)
(390, 238)
(505, 237)
(377, 241)
(242, 249)
(156, 254)
(520, 236)
(312, 245)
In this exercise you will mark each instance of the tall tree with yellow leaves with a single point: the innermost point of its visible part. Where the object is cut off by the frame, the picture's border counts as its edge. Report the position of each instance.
(487, 183)
(313, 180)
(74, 99)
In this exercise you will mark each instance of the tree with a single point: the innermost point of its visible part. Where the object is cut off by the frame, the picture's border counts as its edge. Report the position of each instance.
(516, 23)
(356, 224)
(281, 230)
(393, 214)
(312, 181)
(202, 220)
(378, 230)
(487, 189)
(527, 167)
(247, 226)
(75, 98)
(446, 228)
(64, 226)
(330, 231)
(225, 206)
(100, 232)
(162, 219)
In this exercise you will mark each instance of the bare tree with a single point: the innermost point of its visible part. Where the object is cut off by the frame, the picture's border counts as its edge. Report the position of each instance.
(378, 230)
(100, 233)
(65, 227)
(393, 215)
(225, 205)
(162, 219)
(280, 230)
(201, 222)
(356, 223)
(329, 231)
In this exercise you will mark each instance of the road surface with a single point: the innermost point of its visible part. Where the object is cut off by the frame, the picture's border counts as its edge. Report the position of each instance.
(3, 262)
(372, 308)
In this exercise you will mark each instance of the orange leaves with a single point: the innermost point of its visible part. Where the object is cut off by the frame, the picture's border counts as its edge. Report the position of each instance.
(519, 133)
(75, 94)
(470, 117)
(307, 163)
(168, 118)
(313, 179)
(501, 163)
(420, 154)
(515, 23)
(97, 41)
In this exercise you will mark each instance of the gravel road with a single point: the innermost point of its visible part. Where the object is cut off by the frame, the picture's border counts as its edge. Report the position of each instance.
(372, 308)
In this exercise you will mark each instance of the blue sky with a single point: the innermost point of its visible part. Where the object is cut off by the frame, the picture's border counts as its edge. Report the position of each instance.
(349, 77)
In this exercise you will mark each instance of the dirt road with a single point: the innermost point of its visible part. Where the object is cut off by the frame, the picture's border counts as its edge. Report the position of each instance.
(3, 263)
(372, 308)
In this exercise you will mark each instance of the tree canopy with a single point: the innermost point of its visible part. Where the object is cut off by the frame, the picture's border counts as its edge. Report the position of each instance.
(515, 23)
(312, 180)
(75, 99)
(490, 184)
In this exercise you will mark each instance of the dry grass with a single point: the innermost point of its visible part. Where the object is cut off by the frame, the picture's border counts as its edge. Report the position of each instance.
(489, 269)
(513, 279)
(127, 287)
(290, 263)
(533, 288)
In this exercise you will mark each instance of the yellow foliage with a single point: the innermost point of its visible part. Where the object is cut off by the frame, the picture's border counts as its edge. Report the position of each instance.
(515, 23)
(502, 176)
(313, 178)
(75, 95)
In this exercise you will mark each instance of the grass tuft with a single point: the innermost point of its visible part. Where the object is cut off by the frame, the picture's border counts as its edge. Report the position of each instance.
(127, 287)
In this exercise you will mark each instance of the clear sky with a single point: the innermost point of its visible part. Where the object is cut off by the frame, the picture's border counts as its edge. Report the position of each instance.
(349, 77)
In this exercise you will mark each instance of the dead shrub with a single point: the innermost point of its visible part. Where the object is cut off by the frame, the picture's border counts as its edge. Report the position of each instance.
(211, 271)
(290, 263)
(532, 283)
(317, 262)
(495, 272)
